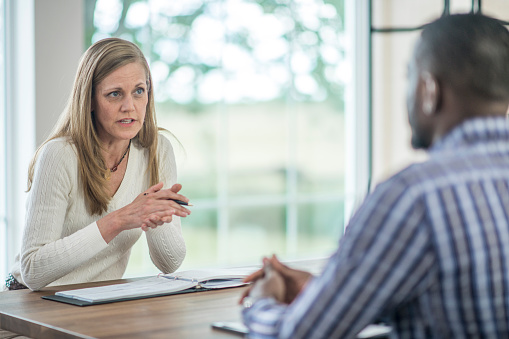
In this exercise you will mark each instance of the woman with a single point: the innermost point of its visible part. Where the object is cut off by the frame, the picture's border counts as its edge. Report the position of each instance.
(98, 180)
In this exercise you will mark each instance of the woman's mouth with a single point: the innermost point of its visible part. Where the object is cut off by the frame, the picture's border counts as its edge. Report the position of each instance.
(126, 121)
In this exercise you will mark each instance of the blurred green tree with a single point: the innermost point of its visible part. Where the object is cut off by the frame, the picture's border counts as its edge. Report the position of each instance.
(206, 51)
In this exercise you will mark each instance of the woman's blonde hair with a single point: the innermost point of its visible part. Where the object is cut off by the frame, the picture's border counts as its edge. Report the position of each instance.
(76, 122)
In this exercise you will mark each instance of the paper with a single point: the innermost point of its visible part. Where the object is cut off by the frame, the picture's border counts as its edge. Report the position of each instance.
(145, 287)
(213, 273)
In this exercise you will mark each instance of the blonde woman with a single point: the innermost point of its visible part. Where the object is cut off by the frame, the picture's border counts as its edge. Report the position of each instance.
(102, 177)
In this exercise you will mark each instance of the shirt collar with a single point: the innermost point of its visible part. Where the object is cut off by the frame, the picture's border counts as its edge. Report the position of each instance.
(473, 131)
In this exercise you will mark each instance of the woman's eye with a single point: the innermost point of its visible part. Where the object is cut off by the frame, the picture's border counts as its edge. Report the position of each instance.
(140, 91)
(114, 94)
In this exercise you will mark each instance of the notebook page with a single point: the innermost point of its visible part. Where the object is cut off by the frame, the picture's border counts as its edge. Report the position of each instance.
(139, 288)
(213, 273)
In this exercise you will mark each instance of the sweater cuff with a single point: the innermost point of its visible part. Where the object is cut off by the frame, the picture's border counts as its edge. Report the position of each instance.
(92, 232)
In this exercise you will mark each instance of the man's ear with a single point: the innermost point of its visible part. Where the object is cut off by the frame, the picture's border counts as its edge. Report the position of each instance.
(430, 93)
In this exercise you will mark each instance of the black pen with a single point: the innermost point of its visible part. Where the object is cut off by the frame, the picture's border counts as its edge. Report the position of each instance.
(180, 202)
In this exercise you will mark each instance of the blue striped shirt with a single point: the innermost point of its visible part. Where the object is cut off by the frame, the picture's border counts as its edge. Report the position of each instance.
(428, 250)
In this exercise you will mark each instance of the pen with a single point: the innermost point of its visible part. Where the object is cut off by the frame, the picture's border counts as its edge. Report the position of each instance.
(180, 202)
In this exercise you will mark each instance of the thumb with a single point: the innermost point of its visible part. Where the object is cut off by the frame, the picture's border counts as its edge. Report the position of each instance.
(278, 265)
(176, 188)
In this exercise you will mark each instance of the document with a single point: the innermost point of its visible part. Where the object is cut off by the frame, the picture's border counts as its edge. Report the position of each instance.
(163, 284)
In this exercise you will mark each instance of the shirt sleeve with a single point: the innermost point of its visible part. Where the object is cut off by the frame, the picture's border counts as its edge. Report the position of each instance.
(44, 253)
(381, 261)
(166, 243)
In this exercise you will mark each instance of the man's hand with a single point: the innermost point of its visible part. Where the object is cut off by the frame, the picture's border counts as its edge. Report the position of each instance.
(293, 282)
(270, 286)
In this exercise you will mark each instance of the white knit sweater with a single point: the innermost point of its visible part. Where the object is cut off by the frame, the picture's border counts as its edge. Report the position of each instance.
(61, 241)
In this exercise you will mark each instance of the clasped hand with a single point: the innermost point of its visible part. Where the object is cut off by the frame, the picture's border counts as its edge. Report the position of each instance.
(156, 206)
(276, 280)
(150, 209)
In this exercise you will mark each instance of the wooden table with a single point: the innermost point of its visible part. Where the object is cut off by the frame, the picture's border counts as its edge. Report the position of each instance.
(177, 316)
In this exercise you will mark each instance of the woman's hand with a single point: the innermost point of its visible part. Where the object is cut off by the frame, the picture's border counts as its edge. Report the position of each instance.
(150, 209)
(157, 219)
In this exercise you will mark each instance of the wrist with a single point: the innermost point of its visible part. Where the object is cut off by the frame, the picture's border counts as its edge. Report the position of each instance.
(109, 226)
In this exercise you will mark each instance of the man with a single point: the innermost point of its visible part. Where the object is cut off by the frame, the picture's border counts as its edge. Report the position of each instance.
(429, 249)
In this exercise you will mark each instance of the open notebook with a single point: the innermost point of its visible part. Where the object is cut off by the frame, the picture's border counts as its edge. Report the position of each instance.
(163, 284)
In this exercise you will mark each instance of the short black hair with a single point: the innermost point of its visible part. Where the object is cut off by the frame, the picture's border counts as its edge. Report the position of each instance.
(468, 51)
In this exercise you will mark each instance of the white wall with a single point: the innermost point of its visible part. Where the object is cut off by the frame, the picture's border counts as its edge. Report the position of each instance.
(59, 41)
(391, 52)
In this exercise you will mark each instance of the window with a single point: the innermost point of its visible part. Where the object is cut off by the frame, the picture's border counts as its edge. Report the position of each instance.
(254, 93)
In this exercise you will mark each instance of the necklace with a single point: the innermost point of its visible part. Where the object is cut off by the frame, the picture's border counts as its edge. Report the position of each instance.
(114, 168)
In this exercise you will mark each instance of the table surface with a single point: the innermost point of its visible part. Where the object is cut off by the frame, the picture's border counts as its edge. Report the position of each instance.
(176, 316)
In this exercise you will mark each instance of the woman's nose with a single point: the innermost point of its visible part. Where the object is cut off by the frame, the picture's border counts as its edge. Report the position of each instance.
(128, 104)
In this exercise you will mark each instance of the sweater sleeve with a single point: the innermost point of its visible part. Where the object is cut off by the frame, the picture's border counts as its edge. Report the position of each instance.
(46, 255)
(166, 243)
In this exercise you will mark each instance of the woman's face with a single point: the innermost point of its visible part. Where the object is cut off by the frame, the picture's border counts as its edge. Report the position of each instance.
(120, 102)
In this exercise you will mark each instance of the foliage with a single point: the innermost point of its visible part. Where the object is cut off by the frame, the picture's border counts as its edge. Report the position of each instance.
(235, 51)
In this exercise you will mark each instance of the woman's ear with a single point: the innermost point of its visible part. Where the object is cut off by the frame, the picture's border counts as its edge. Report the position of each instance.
(430, 93)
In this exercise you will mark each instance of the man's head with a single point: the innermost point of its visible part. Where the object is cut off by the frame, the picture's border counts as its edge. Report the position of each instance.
(459, 70)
